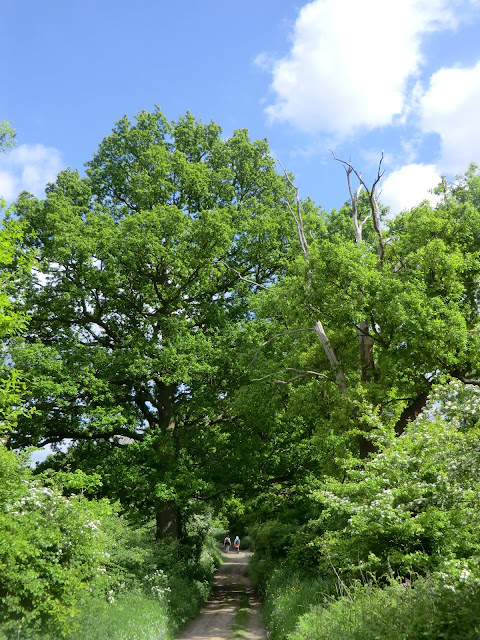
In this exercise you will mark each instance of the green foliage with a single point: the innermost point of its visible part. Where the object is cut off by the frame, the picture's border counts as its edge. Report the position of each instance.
(145, 267)
(7, 136)
(412, 508)
(12, 321)
(397, 324)
(51, 549)
(430, 610)
(71, 563)
(133, 616)
(272, 539)
(173, 339)
(154, 588)
(288, 594)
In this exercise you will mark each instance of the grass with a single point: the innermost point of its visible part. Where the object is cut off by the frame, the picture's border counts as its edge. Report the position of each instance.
(240, 622)
(287, 596)
(136, 616)
(393, 612)
(131, 617)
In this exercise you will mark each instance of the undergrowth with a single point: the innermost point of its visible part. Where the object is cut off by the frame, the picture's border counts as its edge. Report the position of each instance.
(428, 609)
(133, 616)
(300, 607)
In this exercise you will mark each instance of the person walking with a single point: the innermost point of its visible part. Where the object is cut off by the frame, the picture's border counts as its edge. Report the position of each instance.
(226, 543)
(236, 544)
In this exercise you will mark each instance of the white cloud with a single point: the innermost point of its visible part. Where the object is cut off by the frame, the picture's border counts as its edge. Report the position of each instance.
(30, 168)
(450, 107)
(350, 62)
(408, 186)
(8, 184)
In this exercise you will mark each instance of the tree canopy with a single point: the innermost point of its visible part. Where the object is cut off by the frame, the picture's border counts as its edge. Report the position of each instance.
(191, 336)
(144, 268)
(195, 327)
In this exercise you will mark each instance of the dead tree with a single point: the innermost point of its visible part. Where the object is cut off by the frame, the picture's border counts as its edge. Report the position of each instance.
(318, 328)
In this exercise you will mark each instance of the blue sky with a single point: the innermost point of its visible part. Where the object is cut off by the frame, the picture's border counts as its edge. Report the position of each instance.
(355, 77)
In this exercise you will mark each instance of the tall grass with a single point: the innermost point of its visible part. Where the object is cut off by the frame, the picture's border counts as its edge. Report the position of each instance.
(427, 610)
(132, 617)
(287, 595)
(300, 606)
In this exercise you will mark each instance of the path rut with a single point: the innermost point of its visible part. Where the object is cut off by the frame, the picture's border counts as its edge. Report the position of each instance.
(216, 620)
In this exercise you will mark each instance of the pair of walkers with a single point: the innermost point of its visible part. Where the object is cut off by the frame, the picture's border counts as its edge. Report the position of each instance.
(227, 543)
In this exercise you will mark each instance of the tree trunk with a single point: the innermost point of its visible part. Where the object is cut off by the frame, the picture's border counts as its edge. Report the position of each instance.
(365, 343)
(167, 514)
(167, 520)
(411, 412)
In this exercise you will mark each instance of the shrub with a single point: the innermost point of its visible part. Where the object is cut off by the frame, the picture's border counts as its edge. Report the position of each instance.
(64, 562)
(272, 539)
(412, 508)
(51, 548)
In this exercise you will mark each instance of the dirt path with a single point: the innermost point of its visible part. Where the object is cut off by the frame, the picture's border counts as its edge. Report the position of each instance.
(216, 620)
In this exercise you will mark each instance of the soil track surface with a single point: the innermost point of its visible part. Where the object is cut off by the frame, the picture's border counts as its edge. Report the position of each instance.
(216, 620)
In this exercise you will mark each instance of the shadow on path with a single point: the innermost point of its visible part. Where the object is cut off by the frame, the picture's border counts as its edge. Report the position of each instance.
(230, 583)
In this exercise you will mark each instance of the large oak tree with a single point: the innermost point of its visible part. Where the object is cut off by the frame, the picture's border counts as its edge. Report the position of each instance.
(143, 267)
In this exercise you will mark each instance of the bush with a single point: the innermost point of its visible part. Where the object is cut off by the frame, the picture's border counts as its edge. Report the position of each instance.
(287, 594)
(412, 508)
(51, 548)
(409, 510)
(272, 539)
(64, 562)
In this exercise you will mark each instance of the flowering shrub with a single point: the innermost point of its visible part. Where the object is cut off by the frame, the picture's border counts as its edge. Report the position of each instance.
(414, 507)
(408, 516)
(156, 584)
(52, 550)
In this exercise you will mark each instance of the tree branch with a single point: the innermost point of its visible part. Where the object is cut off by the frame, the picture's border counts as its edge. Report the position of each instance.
(298, 217)
(349, 168)
(277, 335)
(302, 373)
(332, 358)
(256, 284)
(319, 330)
(411, 411)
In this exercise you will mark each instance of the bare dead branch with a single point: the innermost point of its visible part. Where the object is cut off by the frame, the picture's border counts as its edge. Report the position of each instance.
(298, 216)
(354, 198)
(365, 220)
(277, 335)
(301, 374)
(223, 418)
(372, 196)
(475, 383)
(256, 284)
(319, 330)
(332, 358)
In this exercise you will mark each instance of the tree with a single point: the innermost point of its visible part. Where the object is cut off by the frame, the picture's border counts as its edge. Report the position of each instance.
(7, 136)
(407, 297)
(143, 267)
(12, 321)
